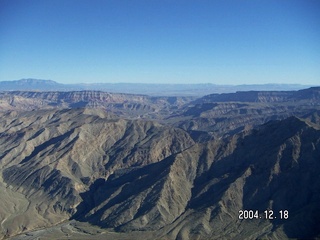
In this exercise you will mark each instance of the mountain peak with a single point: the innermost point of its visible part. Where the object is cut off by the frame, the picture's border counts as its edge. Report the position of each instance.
(36, 81)
(27, 84)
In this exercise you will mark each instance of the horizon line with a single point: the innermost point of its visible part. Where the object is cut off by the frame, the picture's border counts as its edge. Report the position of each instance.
(141, 83)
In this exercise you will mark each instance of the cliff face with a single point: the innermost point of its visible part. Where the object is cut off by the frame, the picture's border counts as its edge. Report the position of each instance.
(216, 115)
(310, 94)
(23, 100)
(124, 105)
(232, 117)
(226, 114)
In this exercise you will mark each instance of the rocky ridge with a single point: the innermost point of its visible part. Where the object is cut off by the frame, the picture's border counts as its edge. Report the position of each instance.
(93, 165)
(125, 105)
(51, 156)
(134, 175)
(310, 94)
(226, 114)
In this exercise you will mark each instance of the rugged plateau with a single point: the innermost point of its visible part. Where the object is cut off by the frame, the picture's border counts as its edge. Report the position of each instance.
(96, 165)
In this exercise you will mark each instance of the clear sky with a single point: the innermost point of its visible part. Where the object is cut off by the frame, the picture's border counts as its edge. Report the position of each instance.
(161, 41)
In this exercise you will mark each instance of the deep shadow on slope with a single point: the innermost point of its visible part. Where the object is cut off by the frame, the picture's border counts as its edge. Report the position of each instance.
(131, 184)
(281, 161)
(278, 164)
(289, 177)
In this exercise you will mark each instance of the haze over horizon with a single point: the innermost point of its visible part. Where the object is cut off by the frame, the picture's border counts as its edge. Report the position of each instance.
(48, 81)
(218, 42)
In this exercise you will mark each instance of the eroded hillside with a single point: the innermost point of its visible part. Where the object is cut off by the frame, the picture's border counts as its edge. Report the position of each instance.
(100, 172)
(51, 156)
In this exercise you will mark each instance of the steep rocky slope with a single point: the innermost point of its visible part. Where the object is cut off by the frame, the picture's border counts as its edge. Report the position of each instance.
(50, 156)
(131, 175)
(133, 166)
(199, 192)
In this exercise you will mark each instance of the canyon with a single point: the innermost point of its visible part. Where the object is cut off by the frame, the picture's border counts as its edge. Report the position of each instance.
(97, 165)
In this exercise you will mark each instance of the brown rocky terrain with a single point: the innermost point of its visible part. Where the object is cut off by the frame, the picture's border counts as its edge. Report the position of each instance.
(104, 171)
(125, 105)
(311, 94)
(226, 114)
(200, 191)
(51, 156)
(213, 115)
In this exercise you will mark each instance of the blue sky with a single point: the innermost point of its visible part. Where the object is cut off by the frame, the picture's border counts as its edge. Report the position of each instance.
(161, 41)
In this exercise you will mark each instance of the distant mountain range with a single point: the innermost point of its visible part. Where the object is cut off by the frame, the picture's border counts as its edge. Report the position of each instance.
(141, 88)
(216, 114)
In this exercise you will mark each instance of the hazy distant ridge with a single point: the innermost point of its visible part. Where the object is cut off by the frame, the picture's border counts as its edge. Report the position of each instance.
(142, 88)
